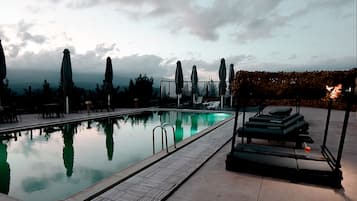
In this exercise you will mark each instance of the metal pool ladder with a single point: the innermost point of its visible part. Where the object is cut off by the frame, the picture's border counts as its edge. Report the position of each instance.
(163, 131)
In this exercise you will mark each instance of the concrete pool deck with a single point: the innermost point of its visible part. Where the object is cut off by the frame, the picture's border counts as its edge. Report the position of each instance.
(213, 182)
(197, 171)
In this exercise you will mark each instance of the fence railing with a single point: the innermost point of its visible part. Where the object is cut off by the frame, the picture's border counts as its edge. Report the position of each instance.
(204, 88)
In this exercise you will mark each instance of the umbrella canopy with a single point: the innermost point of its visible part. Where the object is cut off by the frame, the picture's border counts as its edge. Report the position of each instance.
(68, 149)
(179, 78)
(66, 72)
(222, 78)
(231, 77)
(194, 79)
(2, 64)
(355, 89)
(2, 70)
(108, 76)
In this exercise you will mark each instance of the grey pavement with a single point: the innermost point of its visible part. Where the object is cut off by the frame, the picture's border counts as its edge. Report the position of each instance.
(213, 182)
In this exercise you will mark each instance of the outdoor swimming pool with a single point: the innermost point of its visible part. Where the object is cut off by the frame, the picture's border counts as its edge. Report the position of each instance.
(56, 162)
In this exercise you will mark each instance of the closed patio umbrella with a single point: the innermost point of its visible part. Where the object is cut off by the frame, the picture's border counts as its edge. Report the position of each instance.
(222, 80)
(68, 149)
(178, 81)
(2, 71)
(108, 125)
(66, 76)
(108, 79)
(230, 80)
(194, 80)
(4, 170)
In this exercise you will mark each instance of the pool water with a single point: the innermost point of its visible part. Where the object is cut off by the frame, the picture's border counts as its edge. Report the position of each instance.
(55, 162)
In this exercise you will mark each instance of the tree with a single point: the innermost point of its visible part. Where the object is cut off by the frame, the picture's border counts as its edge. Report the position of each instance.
(142, 89)
(46, 92)
(212, 89)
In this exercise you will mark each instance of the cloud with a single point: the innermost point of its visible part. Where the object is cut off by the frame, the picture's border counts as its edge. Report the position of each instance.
(102, 49)
(32, 69)
(260, 28)
(293, 56)
(81, 4)
(24, 35)
(129, 66)
(2, 35)
(14, 49)
(209, 70)
(252, 20)
(47, 61)
(204, 21)
(340, 63)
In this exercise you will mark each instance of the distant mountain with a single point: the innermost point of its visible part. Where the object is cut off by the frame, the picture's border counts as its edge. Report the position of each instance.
(21, 79)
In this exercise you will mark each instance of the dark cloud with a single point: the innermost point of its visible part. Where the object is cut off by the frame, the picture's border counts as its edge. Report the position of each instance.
(253, 20)
(187, 15)
(90, 62)
(128, 66)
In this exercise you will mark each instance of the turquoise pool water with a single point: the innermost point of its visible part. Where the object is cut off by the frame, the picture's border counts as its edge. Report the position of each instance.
(56, 162)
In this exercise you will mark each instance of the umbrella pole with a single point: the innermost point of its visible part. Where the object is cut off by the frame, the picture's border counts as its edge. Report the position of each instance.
(108, 102)
(231, 101)
(67, 105)
(193, 98)
(221, 102)
(178, 100)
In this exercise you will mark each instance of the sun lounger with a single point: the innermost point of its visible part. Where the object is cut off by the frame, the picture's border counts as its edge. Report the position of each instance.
(213, 105)
(198, 101)
(284, 163)
(292, 128)
(295, 121)
(285, 111)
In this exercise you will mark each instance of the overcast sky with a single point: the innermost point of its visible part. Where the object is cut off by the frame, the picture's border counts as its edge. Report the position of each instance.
(149, 36)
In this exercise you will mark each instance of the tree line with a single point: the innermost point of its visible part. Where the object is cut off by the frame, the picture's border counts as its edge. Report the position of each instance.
(140, 89)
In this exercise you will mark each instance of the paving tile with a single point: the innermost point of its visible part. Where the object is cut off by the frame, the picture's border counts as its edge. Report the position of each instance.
(4, 197)
(102, 199)
(213, 182)
(148, 199)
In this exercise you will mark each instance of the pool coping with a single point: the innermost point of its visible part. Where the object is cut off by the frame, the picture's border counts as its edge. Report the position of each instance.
(60, 121)
(106, 184)
(93, 116)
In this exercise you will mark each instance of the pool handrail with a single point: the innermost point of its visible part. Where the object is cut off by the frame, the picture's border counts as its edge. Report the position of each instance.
(173, 131)
(163, 131)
